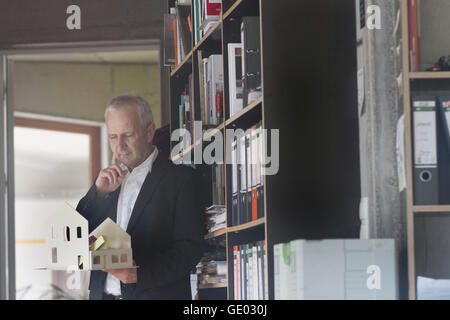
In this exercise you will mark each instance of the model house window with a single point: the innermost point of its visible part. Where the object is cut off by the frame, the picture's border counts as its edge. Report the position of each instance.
(80, 262)
(66, 233)
(123, 258)
(79, 232)
(96, 260)
(54, 255)
(115, 258)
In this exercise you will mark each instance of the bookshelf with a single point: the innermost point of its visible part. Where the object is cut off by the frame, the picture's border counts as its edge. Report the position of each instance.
(426, 233)
(315, 192)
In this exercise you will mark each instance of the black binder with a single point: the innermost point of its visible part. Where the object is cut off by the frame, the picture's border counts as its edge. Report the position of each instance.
(259, 171)
(426, 173)
(251, 57)
(444, 115)
(443, 143)
(236, 178)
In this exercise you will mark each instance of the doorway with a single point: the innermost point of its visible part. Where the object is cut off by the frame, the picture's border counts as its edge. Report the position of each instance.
(60, 145)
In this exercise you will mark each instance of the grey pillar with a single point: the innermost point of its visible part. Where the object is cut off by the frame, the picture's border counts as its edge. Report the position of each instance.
(379, 58)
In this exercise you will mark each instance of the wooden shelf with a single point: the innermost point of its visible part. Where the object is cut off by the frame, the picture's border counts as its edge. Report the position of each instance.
(247, 225)
(431, 209)
(232, 8)
(238, 115)
(215, 234)
(208, 34)
(190, 53)
(178, 67)
(430, 75)
(213, 285)
(214, 131)
(204, 137)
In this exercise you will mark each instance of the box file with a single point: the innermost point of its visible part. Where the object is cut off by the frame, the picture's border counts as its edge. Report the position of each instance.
(426, 180)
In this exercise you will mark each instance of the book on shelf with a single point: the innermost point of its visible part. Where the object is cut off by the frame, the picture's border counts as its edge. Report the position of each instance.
(196, 11)
(186, 116)
(218, 184)
(247, 183)
(242, 171)
(201, 79)
(215, 88)
(169, 41)
(259, 171)
(235, 77)
(235, 182)
(183, 13)
(254, 166)
(206, 15)
(251, 58)
(211, 88)
(177, 34)
(236, 272)
(211, 9)
(413, 22)
(249, 271)
(248, 190)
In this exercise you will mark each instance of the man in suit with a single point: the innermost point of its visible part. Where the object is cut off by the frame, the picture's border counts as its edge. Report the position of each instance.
(155, 201)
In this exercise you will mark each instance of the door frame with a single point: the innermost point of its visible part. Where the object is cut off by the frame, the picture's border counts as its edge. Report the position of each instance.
(7, 210)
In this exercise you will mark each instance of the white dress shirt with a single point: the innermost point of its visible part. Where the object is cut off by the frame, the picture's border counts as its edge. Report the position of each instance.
(129, 191)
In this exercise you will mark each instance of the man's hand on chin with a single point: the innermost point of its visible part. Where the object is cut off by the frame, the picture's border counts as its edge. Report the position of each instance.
(126, 275)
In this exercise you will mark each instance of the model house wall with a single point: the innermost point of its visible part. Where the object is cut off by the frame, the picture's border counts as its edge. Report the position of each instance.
(68, 241)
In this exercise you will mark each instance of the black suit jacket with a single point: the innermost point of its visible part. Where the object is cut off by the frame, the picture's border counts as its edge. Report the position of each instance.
(166, 229)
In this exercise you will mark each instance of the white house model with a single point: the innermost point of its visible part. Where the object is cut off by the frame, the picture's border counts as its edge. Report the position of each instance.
(67, 243)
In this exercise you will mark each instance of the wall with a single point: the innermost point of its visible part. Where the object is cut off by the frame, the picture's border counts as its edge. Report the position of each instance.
(43, 22)
(82, 90)
(434, 30)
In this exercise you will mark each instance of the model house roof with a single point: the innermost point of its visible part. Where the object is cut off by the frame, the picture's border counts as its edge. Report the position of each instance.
(116, 237)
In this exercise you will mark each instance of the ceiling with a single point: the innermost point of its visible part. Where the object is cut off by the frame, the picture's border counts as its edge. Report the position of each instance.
(130, 57)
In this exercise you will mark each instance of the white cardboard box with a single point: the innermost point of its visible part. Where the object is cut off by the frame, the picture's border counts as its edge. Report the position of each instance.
(353, 269)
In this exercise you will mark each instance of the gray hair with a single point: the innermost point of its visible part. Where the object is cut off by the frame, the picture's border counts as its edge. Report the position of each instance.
(130, 100)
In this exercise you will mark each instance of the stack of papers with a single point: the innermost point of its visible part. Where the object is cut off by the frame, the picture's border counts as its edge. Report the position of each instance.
(212, 272)
(216, 218)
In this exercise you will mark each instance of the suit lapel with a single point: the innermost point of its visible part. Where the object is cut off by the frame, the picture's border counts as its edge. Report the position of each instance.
(152, 180)
(115, 199)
